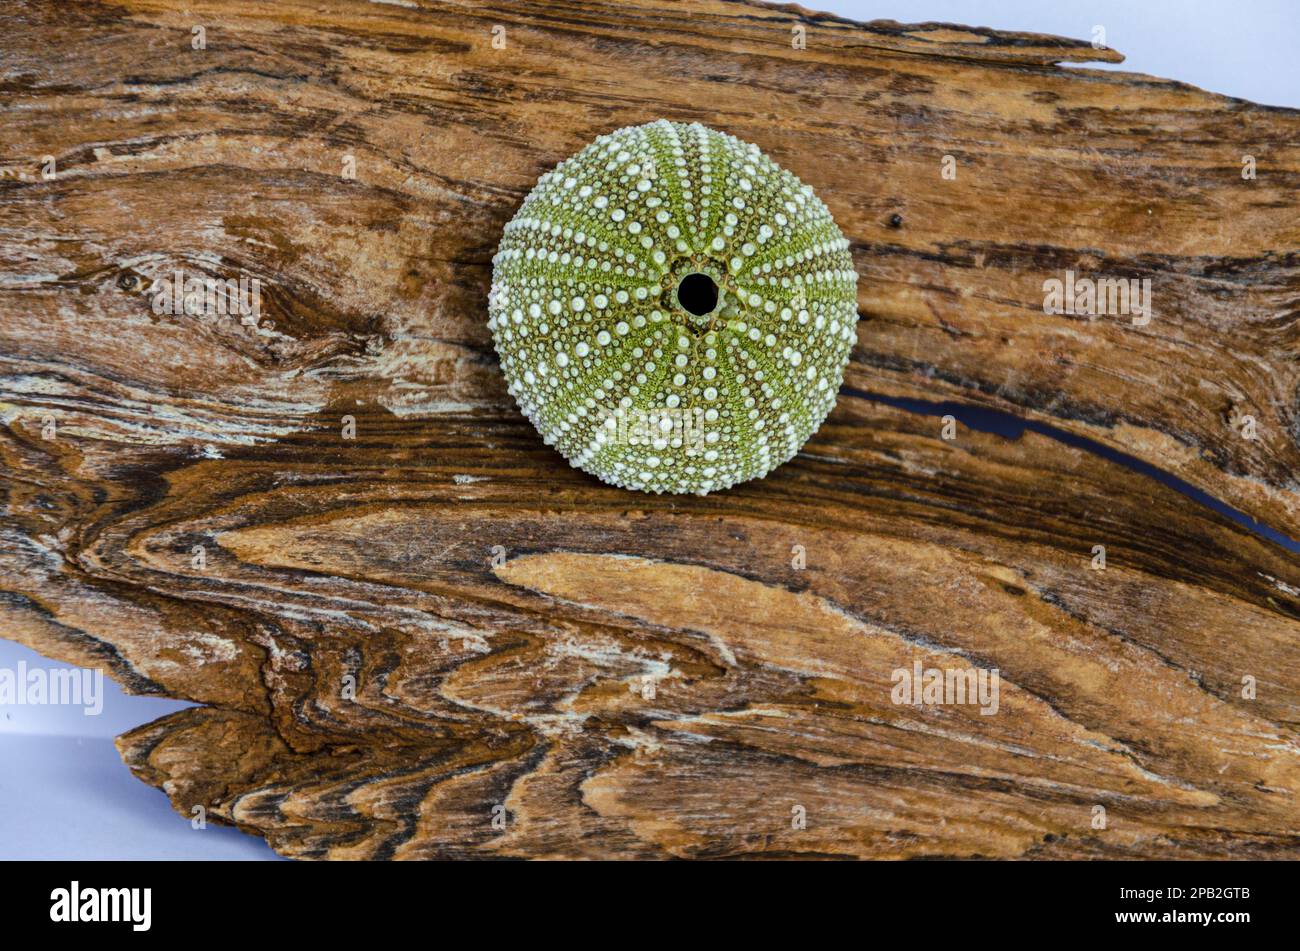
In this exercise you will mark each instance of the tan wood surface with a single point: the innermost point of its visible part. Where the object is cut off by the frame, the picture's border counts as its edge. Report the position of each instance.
(631, 675)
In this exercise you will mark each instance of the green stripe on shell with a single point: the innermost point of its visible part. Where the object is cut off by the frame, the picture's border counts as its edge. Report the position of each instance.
(604, 359)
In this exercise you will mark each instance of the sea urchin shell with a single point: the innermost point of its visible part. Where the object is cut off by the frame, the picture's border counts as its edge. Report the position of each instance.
(673, 311)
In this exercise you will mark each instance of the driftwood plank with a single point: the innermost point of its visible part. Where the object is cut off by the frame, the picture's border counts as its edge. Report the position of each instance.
(629, 675)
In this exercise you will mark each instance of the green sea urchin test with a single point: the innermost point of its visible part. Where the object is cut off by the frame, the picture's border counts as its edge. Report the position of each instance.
(673, 311)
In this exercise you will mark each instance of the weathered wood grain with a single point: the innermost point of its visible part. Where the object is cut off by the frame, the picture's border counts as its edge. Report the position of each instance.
(637, 676)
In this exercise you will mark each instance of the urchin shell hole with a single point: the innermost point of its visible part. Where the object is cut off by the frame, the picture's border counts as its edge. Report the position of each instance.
(698, 293)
